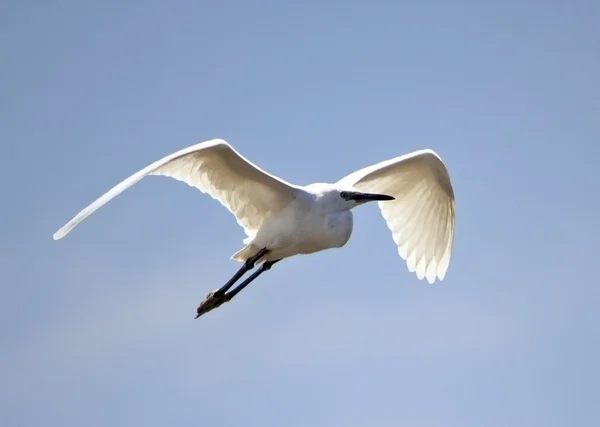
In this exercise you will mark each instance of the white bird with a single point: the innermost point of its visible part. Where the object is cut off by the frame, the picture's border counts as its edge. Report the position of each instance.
(282, 220)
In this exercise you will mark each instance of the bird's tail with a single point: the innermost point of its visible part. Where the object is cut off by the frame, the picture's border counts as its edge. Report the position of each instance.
(246, 252)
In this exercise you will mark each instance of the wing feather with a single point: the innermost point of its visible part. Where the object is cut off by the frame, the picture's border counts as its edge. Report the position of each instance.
(422, 218)
(214, 168)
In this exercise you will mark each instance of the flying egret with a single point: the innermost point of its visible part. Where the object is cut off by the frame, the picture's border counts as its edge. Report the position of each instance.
(280, 220)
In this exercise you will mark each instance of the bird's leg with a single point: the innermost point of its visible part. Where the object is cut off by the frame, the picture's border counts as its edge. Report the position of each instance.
(264, 267)
(218, 297)
(247, 266)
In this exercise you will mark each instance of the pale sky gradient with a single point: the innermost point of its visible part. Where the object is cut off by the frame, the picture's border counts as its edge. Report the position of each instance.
(97, 329)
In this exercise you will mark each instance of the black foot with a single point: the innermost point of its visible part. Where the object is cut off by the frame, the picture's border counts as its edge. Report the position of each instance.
(213, 300)
(220, 296)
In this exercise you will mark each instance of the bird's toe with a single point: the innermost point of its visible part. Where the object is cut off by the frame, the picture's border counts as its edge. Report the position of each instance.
(213, 300)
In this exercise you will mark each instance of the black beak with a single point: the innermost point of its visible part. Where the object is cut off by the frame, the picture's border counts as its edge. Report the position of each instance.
(370, 197)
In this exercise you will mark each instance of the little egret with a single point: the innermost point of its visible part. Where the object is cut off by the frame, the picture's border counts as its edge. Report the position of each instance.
(281, 220)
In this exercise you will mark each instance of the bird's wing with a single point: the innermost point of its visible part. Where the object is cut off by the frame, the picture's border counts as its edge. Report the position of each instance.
(421, 218)
(215, 168)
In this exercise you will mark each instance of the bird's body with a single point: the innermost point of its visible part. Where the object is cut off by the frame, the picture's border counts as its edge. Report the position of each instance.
(310, 223)
(282, 220)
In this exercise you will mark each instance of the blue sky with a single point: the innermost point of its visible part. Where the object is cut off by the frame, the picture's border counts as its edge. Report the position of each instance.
(97, 329)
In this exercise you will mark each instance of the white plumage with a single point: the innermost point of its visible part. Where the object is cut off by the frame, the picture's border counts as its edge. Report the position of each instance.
(421, 218)
(288, 220)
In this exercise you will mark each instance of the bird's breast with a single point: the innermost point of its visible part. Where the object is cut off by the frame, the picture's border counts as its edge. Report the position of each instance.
(319, 231)
(339, 227)
(304, 232)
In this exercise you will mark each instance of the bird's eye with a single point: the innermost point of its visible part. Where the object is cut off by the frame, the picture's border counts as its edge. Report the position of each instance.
(344, 194)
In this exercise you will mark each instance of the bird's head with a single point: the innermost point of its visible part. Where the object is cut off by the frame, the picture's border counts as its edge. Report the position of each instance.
(340, 199)
(353, 198)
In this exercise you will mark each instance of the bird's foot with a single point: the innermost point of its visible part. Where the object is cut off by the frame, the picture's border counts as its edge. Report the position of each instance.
(212, 301)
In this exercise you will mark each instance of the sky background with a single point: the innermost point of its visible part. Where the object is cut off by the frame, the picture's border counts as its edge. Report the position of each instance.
(97, 329)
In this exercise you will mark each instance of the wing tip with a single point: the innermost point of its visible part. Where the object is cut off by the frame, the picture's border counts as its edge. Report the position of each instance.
(60, 233)
(434, 272)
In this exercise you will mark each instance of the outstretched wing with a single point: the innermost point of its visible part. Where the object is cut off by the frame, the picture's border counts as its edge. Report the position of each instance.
(421, 218)
(215, 168)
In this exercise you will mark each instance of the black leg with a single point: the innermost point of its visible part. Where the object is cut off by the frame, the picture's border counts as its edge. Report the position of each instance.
(216, 298)
(248, 265)
(264, 267)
